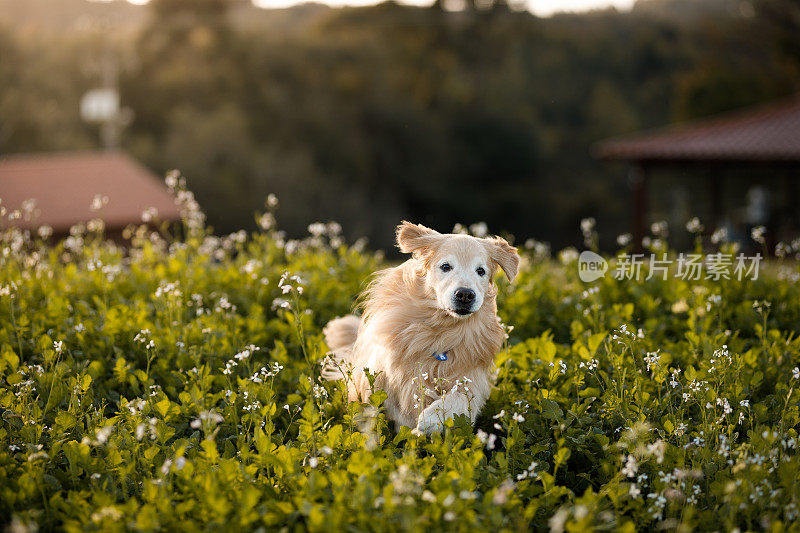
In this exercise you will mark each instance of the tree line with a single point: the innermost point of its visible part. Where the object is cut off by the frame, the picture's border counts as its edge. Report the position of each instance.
(370, 115)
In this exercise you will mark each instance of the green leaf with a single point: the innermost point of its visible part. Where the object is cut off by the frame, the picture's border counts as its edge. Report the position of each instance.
(561, 456)
(162, 407)
(151, 452)
(86, 382)
(10, 359)
(65, 420)
(551, 410)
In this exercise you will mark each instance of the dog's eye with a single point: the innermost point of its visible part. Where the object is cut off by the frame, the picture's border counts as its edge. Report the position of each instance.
(481, 271)
(446, 267)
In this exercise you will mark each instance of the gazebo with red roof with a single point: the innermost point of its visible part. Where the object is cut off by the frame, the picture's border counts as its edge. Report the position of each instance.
(763, 137)
(64, 186)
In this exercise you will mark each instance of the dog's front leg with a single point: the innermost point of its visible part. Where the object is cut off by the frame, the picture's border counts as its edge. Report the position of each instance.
(467, 399)
(433, 417)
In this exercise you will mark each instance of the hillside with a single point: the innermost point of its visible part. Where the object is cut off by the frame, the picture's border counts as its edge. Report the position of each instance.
(397, 111)
(53, 17)
(58, 16)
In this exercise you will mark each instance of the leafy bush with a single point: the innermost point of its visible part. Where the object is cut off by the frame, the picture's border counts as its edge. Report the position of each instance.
(175, 385)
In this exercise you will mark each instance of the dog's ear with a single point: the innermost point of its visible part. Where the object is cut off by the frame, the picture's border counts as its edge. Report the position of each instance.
(416, 239)
(504, 255)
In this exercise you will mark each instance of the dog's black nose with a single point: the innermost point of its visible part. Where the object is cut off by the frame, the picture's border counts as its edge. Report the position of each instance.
(465, 296)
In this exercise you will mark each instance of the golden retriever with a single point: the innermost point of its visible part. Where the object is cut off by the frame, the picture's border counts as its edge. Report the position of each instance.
(429, 331)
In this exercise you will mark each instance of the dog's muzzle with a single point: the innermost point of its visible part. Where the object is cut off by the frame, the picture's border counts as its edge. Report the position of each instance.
(463, 300)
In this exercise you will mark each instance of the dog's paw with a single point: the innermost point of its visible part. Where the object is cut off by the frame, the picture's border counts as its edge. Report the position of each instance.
(431, 420)
(429, 423)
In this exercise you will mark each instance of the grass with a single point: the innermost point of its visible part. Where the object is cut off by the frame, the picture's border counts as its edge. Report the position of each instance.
(175, 385)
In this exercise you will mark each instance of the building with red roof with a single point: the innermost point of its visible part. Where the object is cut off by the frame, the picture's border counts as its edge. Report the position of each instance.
(64, 186)
(762, 142)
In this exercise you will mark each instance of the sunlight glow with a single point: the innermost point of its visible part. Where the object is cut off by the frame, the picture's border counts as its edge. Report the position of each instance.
(539, 7)
(542, 8)
(548, 7)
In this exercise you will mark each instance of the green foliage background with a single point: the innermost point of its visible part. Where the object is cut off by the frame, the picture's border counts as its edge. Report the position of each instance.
(395, 111)
(174, 385)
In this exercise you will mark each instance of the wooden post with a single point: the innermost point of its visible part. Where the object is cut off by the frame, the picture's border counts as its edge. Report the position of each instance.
(715, 194)
(790, 197)
(638, 181)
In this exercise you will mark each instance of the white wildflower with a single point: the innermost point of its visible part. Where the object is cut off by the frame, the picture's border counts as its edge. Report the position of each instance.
(631, 467)
(98, 202)
(694, 226)
(757, 233)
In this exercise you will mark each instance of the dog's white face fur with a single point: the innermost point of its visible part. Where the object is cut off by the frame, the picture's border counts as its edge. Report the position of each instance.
(458, 268)
(459, 275)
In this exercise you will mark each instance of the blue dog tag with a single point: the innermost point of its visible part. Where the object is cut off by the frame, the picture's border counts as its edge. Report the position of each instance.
(441, 356)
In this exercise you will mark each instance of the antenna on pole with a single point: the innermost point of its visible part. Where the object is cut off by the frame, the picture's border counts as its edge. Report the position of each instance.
(102, 105)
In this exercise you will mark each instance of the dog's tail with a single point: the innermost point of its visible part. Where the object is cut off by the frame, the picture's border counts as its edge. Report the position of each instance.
(340, 335)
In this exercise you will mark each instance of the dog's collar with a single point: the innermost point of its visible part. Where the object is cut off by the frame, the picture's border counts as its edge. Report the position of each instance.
(440, 356)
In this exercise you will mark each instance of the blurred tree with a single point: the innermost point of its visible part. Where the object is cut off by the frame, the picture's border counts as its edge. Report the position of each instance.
(187, 56)
(204, 11)
(186, 95)
(609, 113)
(40, 90)
(367, 115)
(782, 17)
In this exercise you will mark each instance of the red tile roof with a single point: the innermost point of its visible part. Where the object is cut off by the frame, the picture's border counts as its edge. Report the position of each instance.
(766, 133)
(64, 186)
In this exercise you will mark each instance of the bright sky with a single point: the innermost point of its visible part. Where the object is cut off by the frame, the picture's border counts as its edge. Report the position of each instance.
(540, 7)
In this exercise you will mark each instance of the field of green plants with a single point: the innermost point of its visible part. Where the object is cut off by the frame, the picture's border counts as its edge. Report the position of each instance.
(174, 384)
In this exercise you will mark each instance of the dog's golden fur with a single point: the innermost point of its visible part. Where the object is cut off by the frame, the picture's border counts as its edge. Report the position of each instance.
(408, 318)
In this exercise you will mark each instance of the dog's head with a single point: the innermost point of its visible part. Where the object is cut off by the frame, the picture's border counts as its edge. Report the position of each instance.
(459, 268)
